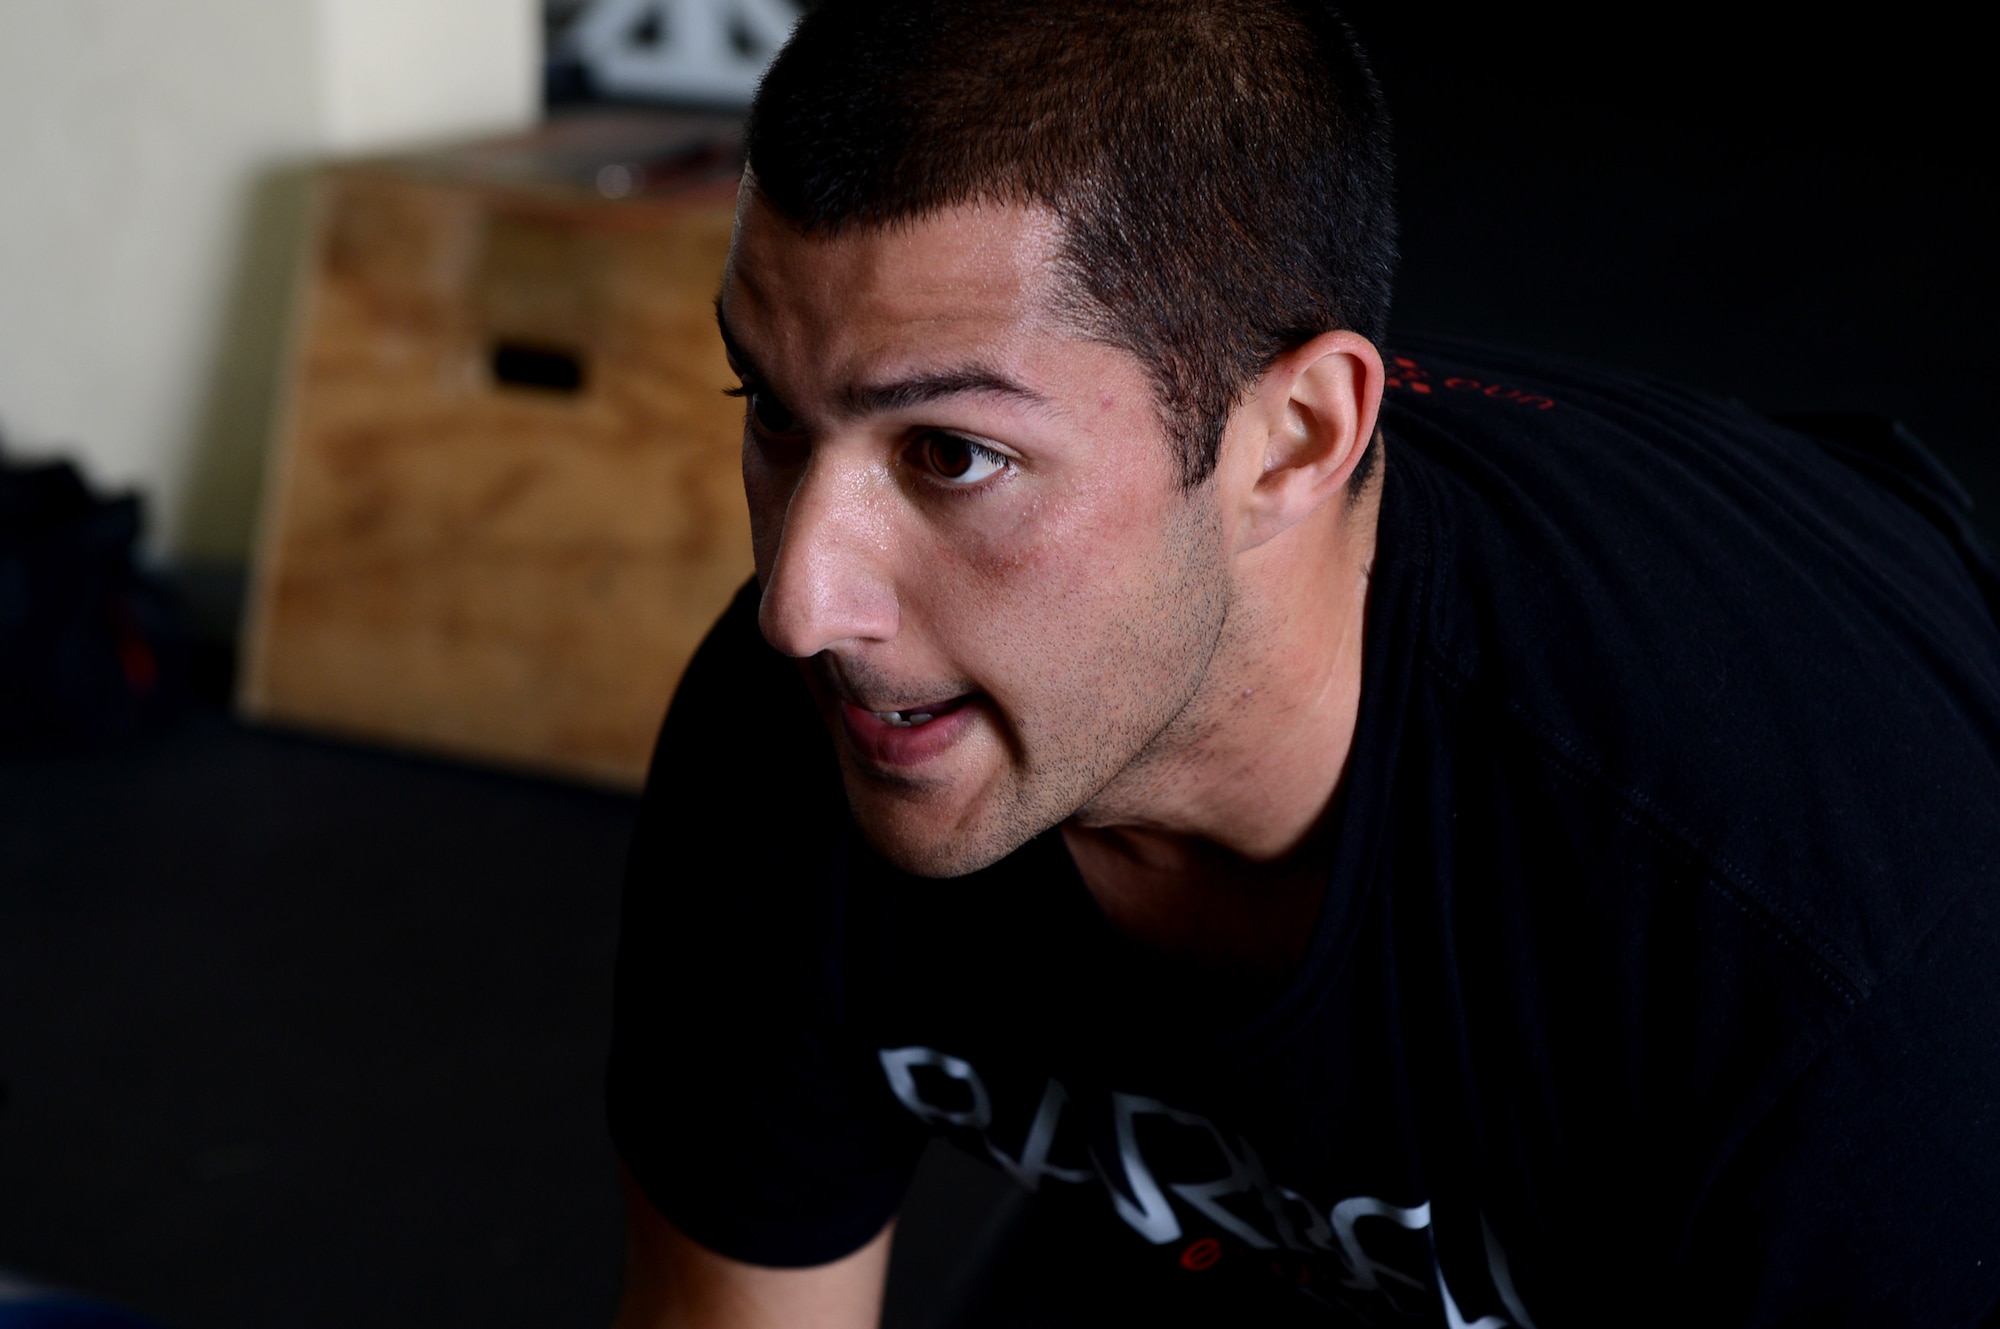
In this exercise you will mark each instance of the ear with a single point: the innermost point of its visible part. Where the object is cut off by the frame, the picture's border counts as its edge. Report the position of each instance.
(1306, 422)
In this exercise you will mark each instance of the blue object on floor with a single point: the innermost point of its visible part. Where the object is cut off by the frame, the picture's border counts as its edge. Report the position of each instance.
(27, 1306)
(69, 1313)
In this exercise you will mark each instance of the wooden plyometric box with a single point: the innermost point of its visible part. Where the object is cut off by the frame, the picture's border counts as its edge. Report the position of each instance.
(506, 500)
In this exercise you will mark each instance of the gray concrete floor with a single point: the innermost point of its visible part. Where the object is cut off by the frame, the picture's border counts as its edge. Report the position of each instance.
(295, 1033)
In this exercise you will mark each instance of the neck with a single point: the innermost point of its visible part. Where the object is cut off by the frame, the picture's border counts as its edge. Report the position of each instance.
(1214, 846)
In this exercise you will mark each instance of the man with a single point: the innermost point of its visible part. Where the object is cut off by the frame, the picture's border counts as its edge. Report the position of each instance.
(1448, 839)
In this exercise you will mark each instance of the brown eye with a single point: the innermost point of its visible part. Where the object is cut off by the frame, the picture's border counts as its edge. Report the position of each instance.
(957, 459)
(771, 414)
(950, 457)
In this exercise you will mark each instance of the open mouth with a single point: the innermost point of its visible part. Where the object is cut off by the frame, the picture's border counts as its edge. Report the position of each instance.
(917, 716)
(887, 738)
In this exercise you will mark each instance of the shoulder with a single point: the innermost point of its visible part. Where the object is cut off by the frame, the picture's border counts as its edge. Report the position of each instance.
(743, 768)
(736, 860)
(1705, 734)
(1752, 648)
(736, 692)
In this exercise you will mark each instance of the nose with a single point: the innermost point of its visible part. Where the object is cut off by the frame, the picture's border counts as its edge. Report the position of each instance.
(828, 582)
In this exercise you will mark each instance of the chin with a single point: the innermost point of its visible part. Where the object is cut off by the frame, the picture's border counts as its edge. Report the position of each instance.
(930, 855)
(925, 841)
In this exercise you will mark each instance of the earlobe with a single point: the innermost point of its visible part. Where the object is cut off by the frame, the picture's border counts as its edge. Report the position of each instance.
(1314, 413)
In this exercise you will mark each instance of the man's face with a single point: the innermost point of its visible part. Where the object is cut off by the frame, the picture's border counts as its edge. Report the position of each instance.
(968, 524)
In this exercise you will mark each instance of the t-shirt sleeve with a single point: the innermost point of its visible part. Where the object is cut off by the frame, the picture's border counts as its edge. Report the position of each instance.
(739, 1098)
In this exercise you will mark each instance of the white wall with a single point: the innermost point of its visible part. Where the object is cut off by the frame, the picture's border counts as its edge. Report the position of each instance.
(152, 172)
(394, 72)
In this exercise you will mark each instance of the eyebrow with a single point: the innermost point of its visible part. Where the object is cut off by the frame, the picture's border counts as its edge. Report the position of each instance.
(917, 389)
(904, 393)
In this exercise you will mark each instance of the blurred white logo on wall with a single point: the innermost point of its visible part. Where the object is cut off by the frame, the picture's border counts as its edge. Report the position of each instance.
(680, 50)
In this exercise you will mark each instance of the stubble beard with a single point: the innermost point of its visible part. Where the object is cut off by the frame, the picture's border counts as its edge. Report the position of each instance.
(1061, 772)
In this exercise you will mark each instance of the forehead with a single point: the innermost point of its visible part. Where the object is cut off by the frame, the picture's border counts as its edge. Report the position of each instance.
(978, 278)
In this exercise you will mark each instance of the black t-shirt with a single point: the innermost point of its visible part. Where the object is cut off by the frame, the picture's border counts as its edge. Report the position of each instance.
(1658, 979)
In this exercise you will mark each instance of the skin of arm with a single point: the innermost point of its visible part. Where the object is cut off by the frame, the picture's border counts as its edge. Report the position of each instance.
(674, 1282)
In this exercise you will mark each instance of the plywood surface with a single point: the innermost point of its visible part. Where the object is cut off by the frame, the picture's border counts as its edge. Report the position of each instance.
(498, 570)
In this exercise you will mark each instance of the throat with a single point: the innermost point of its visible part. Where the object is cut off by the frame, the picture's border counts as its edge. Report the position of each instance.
(1239, 926)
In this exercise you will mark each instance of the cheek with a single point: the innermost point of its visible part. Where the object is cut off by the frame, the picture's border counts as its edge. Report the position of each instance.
(1042, 579)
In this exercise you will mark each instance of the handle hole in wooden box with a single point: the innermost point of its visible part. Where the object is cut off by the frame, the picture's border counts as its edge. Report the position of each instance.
(539, 368)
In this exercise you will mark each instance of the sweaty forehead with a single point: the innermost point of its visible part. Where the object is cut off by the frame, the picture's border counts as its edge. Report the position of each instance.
(978, 274)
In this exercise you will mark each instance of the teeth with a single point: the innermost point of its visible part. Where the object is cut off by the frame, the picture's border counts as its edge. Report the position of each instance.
(904, 719)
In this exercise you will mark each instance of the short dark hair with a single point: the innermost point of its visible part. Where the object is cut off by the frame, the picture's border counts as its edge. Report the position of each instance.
(1221, 168)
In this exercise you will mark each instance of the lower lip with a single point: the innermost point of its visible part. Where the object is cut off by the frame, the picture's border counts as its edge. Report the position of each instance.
(877, 741)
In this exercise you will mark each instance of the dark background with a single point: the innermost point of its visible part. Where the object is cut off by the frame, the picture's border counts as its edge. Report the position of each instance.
(299, 1034)
(1798, 214)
